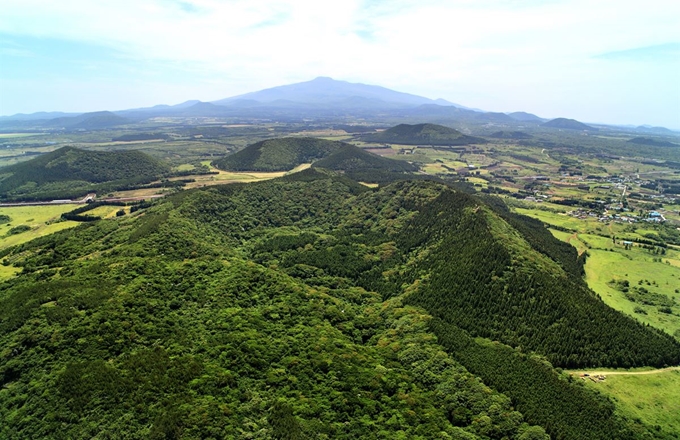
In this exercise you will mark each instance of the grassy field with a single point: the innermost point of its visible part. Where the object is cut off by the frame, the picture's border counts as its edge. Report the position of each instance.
(41, 219)
(107, 211)
(19, 135)
(635, 266)
(8, 272)
(557, 219)
(651, 398)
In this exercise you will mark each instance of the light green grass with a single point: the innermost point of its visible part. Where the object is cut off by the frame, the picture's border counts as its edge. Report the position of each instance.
(185, 167)
(105, 211)
(37, 217)
(8, 272)
(652, 398)
(603, 266)
(562, 220)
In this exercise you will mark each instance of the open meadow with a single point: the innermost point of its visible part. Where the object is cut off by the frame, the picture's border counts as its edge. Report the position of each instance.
(42, 220)
(650, 396)
(29, 222)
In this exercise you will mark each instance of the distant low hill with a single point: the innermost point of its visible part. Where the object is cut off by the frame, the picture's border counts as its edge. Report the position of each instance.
(651, 129)
(69, 172)
(568, 124)
(525, 117)
(652, 142)
(423, 134)
(280, 154)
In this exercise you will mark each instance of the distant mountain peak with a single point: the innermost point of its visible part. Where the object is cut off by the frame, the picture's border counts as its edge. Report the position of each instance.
(328, 91)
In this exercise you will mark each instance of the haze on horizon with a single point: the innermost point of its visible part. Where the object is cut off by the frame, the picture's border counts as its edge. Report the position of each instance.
(615, 62)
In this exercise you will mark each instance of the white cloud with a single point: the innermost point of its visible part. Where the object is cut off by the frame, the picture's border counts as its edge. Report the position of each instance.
(429, 47)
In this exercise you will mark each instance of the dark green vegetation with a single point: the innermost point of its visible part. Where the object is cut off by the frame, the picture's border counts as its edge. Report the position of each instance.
(364, 166)
(278, 154)
(285, 154)
(305, 307)
(652, 142)
(71, 172)
(423, 134)
(510, 135)
(19, 230)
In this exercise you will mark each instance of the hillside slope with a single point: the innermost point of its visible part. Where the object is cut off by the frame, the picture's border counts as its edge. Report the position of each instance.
(308, 306)
(280, 154)
(72, 170)
(423, 134)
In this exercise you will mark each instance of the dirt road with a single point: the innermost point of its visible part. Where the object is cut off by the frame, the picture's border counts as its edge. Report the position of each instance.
(630, 373)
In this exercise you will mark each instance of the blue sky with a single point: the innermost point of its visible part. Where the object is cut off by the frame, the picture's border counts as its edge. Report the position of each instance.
(607, 61)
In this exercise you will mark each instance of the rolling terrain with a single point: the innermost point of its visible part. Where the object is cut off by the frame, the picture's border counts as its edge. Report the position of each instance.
(311, 306)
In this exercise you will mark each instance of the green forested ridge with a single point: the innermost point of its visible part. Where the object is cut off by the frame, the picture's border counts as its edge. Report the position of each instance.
(425, 134)
(351, 158)
(366, 167)
(69, 172)
(493, 284)
(280, 154)
(302, 308)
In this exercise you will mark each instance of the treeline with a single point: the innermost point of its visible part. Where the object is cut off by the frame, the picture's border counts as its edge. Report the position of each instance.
(133, 137)
(545, 397)
(75, 215)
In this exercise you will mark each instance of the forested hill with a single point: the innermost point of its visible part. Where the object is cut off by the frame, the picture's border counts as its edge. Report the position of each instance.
(569, 124)
(307, 307)
(423, 134)
(282, 154)
(365, 166)
(72, 170)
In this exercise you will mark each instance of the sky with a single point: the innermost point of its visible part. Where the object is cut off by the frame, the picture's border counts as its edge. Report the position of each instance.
(614, 62)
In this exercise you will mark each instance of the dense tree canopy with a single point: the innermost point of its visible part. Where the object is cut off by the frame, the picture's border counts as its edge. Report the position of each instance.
(309, 307)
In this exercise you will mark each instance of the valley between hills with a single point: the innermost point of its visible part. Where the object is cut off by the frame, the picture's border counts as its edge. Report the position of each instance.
(346, 277)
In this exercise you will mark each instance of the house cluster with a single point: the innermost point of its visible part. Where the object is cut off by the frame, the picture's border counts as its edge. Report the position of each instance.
(624, 217)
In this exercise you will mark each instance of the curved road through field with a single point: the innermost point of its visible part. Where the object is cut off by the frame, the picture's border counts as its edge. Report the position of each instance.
(629, 373)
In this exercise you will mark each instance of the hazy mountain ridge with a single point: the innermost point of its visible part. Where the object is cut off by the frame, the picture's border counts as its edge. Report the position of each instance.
(320, 98)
